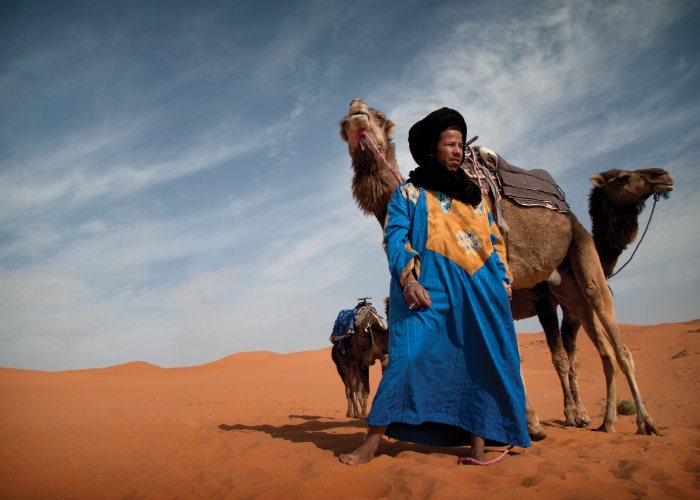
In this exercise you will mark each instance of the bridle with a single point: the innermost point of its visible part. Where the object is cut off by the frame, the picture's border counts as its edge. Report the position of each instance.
(363, 133)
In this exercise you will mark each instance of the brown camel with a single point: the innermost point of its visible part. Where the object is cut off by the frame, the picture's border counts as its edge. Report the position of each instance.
(369, 343)
(615, 202)
(541, 241)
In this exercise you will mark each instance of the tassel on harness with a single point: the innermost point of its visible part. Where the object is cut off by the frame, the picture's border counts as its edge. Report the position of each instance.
(500, 219)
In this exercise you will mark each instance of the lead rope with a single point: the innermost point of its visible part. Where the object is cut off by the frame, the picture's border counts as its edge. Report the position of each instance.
(476, 462)
(656, 198)
(363, 133)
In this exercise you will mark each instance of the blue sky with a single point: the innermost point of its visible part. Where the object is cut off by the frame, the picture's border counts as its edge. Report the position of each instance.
(173, 188)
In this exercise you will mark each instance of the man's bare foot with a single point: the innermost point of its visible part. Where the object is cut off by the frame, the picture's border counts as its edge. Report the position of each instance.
(365, 453)
(477, 449)
(362, 455)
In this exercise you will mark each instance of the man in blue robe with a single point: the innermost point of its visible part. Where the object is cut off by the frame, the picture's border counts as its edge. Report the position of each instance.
(453, 376)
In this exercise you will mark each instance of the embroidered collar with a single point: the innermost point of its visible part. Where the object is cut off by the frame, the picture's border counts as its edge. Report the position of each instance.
(445, 201)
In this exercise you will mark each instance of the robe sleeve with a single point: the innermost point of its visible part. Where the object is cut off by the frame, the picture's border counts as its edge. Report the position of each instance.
(397, 242)
(500, 248)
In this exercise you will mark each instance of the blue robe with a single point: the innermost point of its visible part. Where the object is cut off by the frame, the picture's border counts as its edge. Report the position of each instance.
(454, 368)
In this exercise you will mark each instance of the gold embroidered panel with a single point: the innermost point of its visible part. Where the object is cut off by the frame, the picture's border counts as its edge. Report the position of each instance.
(410, 192)
(461, 235)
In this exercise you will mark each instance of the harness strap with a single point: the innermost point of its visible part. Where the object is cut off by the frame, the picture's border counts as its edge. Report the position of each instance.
(656, 198)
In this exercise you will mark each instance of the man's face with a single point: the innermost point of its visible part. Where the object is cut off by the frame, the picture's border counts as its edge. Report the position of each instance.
(449, 150)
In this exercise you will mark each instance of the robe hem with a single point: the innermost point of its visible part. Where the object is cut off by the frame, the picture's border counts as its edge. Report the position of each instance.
(448, 421)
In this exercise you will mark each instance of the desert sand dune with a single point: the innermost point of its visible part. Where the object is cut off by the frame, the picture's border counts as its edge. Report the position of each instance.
(265, 425)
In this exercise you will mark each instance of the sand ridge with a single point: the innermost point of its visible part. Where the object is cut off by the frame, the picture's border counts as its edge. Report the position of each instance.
(265, 425)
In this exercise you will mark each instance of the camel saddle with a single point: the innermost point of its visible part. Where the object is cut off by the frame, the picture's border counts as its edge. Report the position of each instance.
(528, 188)
(346, 323)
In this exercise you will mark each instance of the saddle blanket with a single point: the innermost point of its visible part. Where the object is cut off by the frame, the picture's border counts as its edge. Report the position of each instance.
(347, 321)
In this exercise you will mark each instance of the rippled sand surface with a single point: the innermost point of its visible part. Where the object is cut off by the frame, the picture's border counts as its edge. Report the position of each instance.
(265, 425)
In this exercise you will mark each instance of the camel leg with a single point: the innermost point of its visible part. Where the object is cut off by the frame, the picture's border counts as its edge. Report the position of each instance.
(353, 410)
(546, 308)
(340, 365)
(351, 389)
(607, 356)
(357, 390)
(534, 429)
(571, 297)
(569, 334)
(364, 377)
(591, 279)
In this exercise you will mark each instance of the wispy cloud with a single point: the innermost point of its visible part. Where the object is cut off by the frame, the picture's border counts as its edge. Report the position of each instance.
(295, 33)
(90, 166)
(545, 86)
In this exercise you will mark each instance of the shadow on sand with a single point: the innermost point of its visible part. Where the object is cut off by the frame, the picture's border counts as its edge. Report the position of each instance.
(324, 436)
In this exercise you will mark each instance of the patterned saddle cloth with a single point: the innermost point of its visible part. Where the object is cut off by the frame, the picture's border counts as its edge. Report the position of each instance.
(528, 188)
(350, 319)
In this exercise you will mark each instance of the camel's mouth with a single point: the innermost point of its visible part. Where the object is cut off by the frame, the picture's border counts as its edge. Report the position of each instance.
(663, 188)
(359, 120)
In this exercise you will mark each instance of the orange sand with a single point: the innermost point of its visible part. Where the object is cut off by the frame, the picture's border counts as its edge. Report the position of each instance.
(264, 425)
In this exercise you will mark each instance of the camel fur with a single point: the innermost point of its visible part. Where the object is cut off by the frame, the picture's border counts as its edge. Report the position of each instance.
(541, 241)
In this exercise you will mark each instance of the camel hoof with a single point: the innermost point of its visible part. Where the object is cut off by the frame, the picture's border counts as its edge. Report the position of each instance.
(647, 427)
(537, 434)
(605, 428)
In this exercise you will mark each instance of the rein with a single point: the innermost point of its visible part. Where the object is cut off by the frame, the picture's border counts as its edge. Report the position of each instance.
(363, 133)
(656, 198)
(476, 462)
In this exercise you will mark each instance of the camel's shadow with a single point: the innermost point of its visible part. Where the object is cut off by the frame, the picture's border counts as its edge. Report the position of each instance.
(322, 435)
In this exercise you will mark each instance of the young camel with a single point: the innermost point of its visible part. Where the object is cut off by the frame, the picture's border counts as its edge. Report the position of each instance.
(542, 241)
(369, 344)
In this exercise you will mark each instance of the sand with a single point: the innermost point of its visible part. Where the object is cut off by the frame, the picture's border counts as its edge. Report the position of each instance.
(265, 425)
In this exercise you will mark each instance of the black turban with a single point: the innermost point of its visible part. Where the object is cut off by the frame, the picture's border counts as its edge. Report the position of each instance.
(425, 134)
(422, 139)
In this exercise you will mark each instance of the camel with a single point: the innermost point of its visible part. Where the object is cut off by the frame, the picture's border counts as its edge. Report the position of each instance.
(541, 241)
(369, 344)
(615, 202)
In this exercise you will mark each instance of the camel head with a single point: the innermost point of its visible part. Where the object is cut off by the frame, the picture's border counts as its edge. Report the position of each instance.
(373, 182)
(375, 124)
(614, 205)
(625, 187)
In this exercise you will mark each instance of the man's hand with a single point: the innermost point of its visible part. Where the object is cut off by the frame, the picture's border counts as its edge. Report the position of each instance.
(416, 296)
(510, 294)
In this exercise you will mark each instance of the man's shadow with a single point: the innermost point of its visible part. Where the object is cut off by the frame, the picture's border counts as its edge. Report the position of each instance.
(322, 435)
